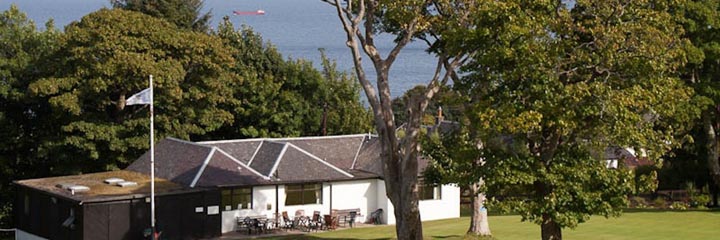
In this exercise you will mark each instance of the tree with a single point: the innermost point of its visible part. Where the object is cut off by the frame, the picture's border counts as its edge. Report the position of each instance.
(552, 87)
(183, 13)
(701, 24)
(457, 158)
(281, 98)
(446, 101)
(407, 20)
(105, 58)
(343, 111)
(23, 126)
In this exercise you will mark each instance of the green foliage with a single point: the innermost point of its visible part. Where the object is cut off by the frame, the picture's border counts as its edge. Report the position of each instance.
(183, 13)
(456, 158)
(685, 163)
(638, 202)
(660, 202)
(105, 58)
(23, 59)
(679, 206)
(447, 99)
(646, 180)
(288, 97)
(698, 199)
(701, 23)
(553, 87)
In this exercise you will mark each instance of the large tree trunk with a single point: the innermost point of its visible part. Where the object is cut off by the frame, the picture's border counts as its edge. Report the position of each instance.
(407, 213)
(479, 219)
(399, 156)
(401, 166)
(549, 229)
(711, 144)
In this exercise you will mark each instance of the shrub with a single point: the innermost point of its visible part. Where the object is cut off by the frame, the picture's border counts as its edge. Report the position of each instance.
(679, 206)
(699, 200)
(660, 202)
(638, 202)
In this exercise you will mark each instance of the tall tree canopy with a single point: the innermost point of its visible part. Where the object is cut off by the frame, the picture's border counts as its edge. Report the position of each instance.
(23, 52)
(701, 22)
(105, 58)
(282, 98)
(554, 86)
(186, 14)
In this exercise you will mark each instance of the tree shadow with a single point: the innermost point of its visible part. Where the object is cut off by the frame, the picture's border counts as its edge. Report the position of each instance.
(446, 236)
(653, 210)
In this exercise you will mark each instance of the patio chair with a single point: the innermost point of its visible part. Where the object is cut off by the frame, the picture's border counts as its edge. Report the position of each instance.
(260, 225)
(299, 213)
(316, 222)
(287, 223)
(249, 224)
(300, 221)
(376, 216)
(353, 214)
(331, 222)
(241, 226)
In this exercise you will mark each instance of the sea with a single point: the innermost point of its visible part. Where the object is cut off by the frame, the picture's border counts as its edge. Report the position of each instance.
(297, 28)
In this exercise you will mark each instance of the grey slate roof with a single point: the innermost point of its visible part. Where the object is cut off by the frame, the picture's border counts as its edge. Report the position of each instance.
(223, 170)
(264, 161)
(297, 165)
(175, 160)
(242, 152)
(340, 151)
(368, 156)
(266, 156)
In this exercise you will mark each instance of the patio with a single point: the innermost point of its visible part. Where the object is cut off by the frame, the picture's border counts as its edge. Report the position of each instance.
(278, 232)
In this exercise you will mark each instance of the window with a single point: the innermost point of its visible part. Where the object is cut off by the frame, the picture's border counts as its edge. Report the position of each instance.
(236, 198)
(429, 191)
(301, 194)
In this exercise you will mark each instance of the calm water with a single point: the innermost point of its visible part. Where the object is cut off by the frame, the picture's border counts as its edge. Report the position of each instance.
(298, 28)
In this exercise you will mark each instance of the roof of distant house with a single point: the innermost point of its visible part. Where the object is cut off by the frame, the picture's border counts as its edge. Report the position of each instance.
(628, 156)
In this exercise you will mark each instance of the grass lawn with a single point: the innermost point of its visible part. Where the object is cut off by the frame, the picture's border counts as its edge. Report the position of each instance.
(631, 225)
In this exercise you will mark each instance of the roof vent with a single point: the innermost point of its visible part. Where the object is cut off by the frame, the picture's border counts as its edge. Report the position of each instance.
(77, 189)
(127, 184)
(112, 181)
(64, 185)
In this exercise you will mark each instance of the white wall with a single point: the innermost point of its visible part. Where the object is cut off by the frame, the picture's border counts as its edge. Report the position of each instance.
(360, 194)
(446, 207)
(388, 216)
(352, 194)
(22, 235)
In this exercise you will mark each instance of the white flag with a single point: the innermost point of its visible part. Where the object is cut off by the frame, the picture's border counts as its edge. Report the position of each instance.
(143, 97)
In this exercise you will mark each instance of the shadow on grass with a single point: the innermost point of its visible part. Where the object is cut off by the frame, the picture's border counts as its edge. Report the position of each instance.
(466, 211)
(654, 210)
(447, 236)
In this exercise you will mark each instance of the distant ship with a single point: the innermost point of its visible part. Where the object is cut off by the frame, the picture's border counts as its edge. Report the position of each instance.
(258, 12)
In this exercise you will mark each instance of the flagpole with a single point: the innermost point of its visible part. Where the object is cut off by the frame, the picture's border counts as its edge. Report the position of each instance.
(152, 162)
